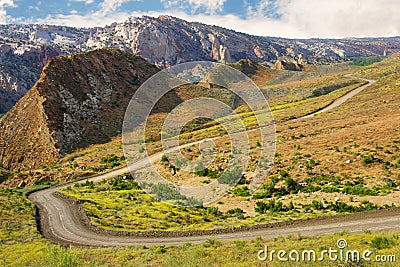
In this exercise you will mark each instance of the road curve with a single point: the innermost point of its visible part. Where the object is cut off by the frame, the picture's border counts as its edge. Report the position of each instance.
(63, 221)
(343, 98)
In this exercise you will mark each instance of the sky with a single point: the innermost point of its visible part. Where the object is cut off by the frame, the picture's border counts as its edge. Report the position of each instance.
(280, 18)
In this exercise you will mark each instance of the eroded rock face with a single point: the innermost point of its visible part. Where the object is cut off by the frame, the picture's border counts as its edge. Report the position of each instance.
(79, 100)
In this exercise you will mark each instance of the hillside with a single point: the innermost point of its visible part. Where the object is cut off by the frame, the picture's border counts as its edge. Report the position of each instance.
(164, 41)
(78, 100)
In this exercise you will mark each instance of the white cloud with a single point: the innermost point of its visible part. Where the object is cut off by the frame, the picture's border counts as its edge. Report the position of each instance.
(111, 5)
(36, 8)
(326, 18)
(87, 2)
(3, 12)
(313, 18)
(105, 15)
(210, 6)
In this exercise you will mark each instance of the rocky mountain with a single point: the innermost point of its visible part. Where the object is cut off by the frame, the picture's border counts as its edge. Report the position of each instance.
(164, 41)
(79, 100)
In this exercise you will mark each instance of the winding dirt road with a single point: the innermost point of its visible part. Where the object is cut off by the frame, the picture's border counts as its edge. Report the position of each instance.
(344, 98)
(63, 221)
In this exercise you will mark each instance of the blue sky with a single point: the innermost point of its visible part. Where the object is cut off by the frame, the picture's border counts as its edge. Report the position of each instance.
(283, 18)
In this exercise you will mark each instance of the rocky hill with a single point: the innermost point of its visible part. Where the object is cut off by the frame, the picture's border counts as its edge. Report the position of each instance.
(164, 41)
(78, 100)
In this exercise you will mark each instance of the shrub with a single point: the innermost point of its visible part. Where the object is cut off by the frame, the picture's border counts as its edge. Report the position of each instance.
(212, 242)
(272, 206)
(237, 212)
(114, 164)
(243, 181)
(242, 191)
(164, 158)
(370, 159)
(284, 174)
(109, 158)
(118, 183)
(200, 170)
(161, 249)
(359, 190)
(317, 205)
(261, 195)
(213, 211)
(167, 192)
(88, 183)
(261, 207)
(291, 184)
(383, 242)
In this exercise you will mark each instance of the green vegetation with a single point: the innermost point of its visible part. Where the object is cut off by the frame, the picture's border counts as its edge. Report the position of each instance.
(242, 191)
(119, 204)
(17, 222)
(365, 61)
(327, 89)
(382, 242)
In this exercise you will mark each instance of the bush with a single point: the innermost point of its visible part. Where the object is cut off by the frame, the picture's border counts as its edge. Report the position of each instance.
(237, 212)
(114, 164)
(262, 195)
(167, 192)
(88, 183)
(309, 188)
(109, 158)
(383, 242)
(272, 206)
(213, 211)
(291, 184)
(164, 158)
(212, 242)
(242, 191)
(359, 190)
(370, 159)
(284, 174)
(200, 170)
(317, 205)
(118, 183)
